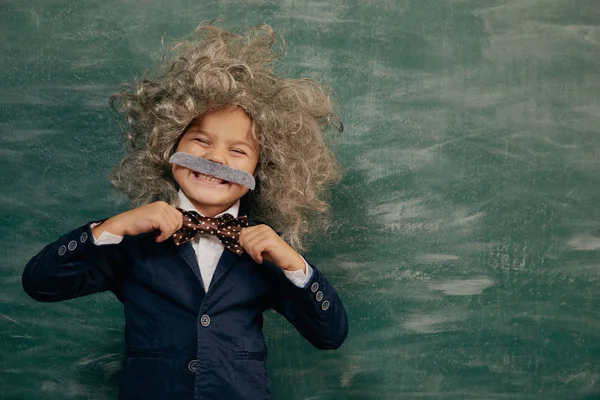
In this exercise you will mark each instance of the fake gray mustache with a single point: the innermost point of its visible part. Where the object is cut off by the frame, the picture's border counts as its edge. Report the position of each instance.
(217, 170)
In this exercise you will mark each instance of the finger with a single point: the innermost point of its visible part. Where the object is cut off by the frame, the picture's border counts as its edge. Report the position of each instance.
(260, 247)
(247, 231)
(165, 233)
(248, 236)
(253, 232)
(251, 248)
(266, 240)
(255, 251)
(168, 226)
(171, 214)
(175, 218)
(255, 255)
(165, 228)
(179, 219)
(244, 235)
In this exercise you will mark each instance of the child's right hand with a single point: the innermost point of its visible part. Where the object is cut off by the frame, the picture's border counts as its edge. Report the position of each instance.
(157, 216)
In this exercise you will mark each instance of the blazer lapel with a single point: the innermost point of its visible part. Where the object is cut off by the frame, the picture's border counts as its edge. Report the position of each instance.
(226, 262)
(186, 251)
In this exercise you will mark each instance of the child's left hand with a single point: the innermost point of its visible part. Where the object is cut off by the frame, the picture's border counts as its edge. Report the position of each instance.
(263, 243)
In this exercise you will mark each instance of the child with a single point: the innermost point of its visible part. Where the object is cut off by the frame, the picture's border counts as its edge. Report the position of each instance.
(193, 309)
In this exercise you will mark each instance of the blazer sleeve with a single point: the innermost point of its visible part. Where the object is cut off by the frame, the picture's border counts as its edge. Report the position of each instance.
(73, 266)
(315, 310)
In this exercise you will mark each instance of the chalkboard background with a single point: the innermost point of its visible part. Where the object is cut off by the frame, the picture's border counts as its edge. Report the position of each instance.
(466, 238)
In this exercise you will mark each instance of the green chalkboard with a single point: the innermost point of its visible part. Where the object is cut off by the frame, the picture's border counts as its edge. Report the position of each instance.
(466, 238)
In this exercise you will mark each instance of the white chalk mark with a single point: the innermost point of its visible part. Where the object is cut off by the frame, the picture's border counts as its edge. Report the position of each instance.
(585, 242)
(435, 258)
(87, 361)
(469, 219)
(10, 319)
(467, 287)
(350, 372)
(434, 323)
(21, 336)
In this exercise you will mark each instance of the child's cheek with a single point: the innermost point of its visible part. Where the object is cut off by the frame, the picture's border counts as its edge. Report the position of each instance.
(177, 173)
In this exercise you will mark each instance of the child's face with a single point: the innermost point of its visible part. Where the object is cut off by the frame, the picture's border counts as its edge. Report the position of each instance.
(223, 136)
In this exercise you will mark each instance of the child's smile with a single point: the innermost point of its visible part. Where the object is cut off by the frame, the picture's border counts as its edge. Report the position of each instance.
(209, 179)
(223, 136)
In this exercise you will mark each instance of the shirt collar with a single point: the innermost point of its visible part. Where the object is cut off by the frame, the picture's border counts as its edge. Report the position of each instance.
(187, 205)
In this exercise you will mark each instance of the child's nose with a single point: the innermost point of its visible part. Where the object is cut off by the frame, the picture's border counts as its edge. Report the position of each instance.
(217, 156)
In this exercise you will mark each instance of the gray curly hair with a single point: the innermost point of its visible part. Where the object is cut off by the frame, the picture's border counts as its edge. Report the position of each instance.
(217, 69)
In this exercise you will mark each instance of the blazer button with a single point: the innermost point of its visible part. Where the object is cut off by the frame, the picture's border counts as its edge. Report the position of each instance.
(72, 245)
(205, 320)
(192, 365)
(314, 287)
(62, 250)
(319, 296)
(325, 305)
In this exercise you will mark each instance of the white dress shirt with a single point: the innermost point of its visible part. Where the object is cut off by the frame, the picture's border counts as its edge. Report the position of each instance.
(208, 248)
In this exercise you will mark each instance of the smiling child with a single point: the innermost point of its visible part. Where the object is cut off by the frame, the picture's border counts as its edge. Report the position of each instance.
(194, 307)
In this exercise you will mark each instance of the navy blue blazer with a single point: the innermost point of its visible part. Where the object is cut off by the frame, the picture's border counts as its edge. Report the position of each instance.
(183, 342)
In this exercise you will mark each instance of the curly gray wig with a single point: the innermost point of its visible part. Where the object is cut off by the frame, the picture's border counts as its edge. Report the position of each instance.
(218, 69)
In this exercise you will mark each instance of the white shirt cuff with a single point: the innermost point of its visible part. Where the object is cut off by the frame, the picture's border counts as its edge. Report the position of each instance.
(299, 277)
(106, 237)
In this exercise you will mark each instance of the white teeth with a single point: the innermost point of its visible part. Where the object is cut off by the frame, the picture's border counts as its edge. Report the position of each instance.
(208, 178)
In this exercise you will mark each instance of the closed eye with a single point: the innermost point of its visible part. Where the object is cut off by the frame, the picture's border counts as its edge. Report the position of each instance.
(238, 151)
(203, 141)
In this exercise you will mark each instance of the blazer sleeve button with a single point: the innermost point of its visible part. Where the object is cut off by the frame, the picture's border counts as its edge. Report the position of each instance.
(72, 245)
(205, 320)
(319, 296)
(314, 287)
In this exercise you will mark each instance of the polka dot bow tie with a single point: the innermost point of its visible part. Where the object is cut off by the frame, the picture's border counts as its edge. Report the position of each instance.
(224, 227)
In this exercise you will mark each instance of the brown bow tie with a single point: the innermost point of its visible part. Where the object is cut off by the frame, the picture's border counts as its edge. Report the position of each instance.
(225, 227)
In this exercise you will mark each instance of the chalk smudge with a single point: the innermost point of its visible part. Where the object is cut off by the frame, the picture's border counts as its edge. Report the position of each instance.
(585, 242)
(467, 287)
